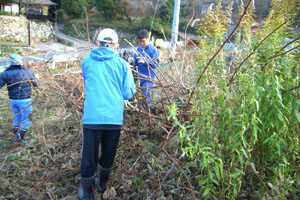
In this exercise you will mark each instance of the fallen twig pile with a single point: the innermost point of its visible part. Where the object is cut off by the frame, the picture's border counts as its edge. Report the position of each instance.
(48, 167)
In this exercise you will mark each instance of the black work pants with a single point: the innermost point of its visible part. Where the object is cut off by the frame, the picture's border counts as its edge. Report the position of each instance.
(90, 149)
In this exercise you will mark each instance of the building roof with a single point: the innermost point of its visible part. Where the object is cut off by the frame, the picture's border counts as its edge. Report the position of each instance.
(40, 2)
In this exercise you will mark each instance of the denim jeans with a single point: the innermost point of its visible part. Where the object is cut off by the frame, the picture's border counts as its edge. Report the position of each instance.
(109, 140)
(146, 89)
(22, 112)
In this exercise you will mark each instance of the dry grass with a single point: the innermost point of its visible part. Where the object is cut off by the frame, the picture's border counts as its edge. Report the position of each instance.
(48, 166)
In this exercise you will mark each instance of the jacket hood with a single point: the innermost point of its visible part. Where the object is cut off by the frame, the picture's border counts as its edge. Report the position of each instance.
(103, 53)
(13, 66)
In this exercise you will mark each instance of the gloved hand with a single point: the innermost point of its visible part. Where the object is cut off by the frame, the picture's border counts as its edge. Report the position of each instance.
(140, 60)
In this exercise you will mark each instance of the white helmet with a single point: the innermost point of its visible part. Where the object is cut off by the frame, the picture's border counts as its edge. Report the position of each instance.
(108, 35)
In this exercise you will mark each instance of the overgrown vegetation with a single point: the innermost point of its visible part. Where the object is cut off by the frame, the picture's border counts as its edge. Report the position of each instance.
(245, 130)
(75, 8)
(238, 137)
(111, 14)
(107, 8)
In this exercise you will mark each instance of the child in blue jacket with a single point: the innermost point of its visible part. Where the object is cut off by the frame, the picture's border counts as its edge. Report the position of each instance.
(148, 54)
(19, 80)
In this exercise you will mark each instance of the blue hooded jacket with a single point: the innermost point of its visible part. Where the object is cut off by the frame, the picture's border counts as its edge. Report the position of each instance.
(151, 58)
(108, 82)
(19, 80)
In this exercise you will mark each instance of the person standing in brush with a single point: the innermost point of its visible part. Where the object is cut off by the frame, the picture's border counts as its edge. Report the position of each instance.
(19, 80)
(108, 84)
(146, 60)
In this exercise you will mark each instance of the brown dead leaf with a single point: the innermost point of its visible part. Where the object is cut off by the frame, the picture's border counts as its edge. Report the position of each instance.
(110, 193)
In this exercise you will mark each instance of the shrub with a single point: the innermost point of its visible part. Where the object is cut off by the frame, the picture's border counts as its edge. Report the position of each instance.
(165, 11)
(60, 15)
(245, 129)
(157, 26)
(74, 7)
(107, 8)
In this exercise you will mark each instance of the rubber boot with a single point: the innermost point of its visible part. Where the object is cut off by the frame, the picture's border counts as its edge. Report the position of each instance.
(19, 136)
(87, 190)
(15, 130)
(103, 174)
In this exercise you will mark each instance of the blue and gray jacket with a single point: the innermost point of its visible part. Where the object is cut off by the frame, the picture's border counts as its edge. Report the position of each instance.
(151, 58)
(108, 82)
(19, 80)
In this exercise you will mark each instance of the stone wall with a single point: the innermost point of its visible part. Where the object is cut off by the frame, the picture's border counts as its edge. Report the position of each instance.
(41, 31)
(15, 29)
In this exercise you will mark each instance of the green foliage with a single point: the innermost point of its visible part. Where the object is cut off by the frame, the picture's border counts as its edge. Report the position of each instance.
(7, 13)
(60, 15)
(244, 34)
(137, 181)
(157, 26)
(245, 134)
(9, 50)
(58, 3)
(165, 11)
(75, 7)
(107, 8)
(215, 23)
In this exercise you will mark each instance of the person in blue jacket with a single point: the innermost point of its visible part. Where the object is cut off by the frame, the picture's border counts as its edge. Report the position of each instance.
(146, 60)
(19, 80)
(108, 84)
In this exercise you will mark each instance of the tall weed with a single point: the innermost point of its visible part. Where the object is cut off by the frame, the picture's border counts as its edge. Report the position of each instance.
(244, 138)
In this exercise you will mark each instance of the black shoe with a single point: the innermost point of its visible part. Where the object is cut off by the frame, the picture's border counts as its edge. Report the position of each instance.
(103, 174)
(87, 190)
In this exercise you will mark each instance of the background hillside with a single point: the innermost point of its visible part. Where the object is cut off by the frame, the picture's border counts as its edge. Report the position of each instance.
(145, 8)
(127, 16)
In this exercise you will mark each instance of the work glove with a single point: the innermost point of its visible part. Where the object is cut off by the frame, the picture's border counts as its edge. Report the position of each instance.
(140, 60)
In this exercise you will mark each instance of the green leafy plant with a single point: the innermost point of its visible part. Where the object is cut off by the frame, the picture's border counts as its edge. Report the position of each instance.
(75, 7)
(165, 11)
(107, 8)
(245, 130)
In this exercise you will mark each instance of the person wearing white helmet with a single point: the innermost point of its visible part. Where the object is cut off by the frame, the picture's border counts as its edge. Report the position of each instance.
(108, 84)
(19, 81)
